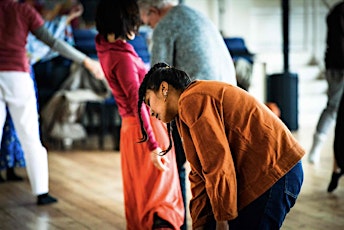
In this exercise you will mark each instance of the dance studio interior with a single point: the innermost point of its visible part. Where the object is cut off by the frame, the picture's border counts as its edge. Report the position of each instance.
(278, 49)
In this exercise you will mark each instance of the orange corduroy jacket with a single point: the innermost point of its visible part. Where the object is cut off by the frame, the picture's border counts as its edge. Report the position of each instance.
(237, 149)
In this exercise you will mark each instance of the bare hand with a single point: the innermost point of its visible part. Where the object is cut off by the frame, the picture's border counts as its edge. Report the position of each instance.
(75, 12)
(94, 67)
(159, 161)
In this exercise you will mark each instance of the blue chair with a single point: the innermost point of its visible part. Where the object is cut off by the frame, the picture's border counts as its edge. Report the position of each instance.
(141, 47)
(85, 41)
(237, 48)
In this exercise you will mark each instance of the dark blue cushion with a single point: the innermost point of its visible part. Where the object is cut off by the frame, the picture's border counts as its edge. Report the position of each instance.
(237, 48)
(141, 47)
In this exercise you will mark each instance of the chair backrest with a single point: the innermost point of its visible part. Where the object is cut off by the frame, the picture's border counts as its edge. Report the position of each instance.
(141, 47)
(85, 41)
(237, 48)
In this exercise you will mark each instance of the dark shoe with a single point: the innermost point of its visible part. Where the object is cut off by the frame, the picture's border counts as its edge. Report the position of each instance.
(161, 224)
(2, 180)
(334, 181)
(12, 176)
(45, 199)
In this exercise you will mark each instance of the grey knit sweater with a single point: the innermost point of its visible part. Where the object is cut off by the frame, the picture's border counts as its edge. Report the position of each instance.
(188, 40)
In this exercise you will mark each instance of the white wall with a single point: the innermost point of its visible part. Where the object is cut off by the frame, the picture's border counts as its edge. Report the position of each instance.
(259, 22)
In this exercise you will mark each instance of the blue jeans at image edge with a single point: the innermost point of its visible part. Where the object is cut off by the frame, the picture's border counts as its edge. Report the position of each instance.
(269, 210)
(282, 197)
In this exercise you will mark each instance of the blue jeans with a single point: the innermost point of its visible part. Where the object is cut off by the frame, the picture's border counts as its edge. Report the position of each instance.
(269, 210)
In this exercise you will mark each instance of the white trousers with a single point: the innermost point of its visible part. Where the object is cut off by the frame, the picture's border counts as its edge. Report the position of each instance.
(17, 92)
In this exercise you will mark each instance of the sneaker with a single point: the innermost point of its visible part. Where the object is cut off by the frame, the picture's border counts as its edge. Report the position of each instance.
(314, 157)
(2, 180)
(314, 153)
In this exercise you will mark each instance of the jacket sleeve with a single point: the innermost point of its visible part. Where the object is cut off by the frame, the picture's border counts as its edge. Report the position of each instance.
(214, 163)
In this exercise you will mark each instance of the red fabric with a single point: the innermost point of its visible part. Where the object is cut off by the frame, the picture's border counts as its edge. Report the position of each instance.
(146, 189)
(124, 71)
(274, 108)
(16, 21)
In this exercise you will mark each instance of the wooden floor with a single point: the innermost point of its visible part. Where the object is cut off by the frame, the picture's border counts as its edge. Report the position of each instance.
(88, 184)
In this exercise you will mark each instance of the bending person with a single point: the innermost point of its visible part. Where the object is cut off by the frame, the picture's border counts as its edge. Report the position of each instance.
(246, 170)
(188, 40)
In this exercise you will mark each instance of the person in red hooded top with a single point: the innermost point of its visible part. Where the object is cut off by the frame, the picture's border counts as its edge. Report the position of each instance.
(152, 194)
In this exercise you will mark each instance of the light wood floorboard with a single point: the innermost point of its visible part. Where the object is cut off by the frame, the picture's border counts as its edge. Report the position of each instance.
(88, 184)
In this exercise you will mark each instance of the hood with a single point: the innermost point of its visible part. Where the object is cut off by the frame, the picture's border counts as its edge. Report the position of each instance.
(120, 46)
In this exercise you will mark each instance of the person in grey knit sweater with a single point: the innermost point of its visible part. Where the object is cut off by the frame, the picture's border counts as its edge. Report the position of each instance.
(188, 40)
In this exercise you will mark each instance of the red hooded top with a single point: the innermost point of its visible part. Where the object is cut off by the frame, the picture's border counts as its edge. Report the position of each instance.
(124, 71)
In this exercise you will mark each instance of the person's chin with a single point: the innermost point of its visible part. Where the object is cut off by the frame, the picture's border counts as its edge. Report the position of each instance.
(166, 120)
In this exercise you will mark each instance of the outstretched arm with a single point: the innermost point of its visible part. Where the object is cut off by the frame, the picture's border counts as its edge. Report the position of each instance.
(68, 51)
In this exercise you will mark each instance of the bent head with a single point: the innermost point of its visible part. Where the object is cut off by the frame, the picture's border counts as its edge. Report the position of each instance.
(160, 90)
(152, 11)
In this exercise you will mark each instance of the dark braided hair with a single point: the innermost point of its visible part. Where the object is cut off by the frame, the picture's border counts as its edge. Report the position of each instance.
(157, 74)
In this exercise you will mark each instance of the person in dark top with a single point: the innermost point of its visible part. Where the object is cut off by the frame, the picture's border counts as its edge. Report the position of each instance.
(334, 56)
(338, 148)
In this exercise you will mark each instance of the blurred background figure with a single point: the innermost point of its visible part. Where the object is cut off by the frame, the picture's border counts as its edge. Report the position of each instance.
(338, 149)
(17, 87)
(58, 16)
(334, 64)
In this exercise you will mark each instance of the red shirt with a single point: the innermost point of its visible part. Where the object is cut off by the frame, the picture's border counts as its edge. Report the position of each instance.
(124, 71)
(16, 21)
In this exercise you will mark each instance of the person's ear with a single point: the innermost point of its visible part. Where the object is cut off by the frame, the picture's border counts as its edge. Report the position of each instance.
(164, 88)
(154, 10)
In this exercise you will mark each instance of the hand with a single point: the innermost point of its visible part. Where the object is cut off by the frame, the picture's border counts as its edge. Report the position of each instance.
(75, 12)
(94, 67)
(222, 225)
(159, 161)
